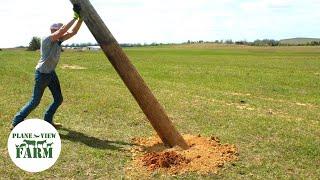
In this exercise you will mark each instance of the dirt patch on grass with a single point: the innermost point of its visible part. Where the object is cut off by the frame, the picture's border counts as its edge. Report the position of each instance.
(205, 155)
(68, 66)
(238, 94)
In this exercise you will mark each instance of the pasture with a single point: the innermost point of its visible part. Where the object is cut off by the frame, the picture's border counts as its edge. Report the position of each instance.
(265, 100)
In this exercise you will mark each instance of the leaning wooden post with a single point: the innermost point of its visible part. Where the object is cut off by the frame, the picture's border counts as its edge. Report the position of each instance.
(130, 76)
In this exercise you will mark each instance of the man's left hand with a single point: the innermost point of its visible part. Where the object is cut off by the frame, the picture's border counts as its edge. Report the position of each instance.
(76, 9)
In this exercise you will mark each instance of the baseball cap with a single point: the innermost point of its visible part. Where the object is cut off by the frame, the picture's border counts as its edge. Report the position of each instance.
(56, 26)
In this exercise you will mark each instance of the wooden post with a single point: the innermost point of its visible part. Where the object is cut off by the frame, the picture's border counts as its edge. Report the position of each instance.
(130, 76)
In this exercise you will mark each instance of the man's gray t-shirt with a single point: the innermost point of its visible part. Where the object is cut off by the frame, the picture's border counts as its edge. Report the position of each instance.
(50, 55)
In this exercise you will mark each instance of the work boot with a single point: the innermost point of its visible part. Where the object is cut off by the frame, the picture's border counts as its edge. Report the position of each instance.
(56, 125)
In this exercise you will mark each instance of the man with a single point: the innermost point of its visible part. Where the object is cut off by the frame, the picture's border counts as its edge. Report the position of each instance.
(45, 75)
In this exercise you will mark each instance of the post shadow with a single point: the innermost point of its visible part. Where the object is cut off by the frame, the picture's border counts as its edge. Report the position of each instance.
(93, 142)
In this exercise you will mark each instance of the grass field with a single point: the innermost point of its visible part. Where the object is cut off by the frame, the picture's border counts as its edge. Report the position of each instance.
(264, 100)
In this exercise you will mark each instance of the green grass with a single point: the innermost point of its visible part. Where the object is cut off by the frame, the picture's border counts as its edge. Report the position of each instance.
(277, 129)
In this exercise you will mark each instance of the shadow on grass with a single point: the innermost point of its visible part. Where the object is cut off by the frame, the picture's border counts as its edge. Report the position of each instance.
(93, 142)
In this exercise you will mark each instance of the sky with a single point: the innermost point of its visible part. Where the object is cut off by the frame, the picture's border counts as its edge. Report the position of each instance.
(166, 21)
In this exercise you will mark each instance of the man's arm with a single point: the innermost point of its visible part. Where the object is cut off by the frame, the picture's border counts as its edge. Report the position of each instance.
(73, 32)
(59, 33)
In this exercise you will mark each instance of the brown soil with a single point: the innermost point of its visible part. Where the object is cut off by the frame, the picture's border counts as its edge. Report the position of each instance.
(205, 155)
(67, 66)
(155, 160)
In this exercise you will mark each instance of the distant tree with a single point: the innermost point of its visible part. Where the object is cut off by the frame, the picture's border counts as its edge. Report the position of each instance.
(265, 42)
(34, 44)
(241, 43)
(257, 42)
(229, 41)
(154, 44)
(20, 47)
(315, 43)
(272, 42)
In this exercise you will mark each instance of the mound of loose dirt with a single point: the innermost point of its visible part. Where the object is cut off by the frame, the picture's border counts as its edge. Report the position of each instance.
(205, 155)
(155, 160)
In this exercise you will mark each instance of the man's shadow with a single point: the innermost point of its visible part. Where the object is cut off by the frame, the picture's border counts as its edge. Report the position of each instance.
(93, 142)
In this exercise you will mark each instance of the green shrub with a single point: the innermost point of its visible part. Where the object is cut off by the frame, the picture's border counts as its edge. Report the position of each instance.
(34, 44)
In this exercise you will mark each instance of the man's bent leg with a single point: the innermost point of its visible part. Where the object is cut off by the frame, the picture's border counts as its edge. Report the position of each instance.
(55, 89)
(39, 87)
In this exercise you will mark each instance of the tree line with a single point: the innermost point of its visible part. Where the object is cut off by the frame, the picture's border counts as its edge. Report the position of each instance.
(35, 43)
(258, 42)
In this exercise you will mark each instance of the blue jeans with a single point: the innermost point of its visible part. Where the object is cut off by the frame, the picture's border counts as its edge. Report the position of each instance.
(42, 80)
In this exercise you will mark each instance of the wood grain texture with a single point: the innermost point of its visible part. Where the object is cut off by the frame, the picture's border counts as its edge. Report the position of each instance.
(130, 76)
